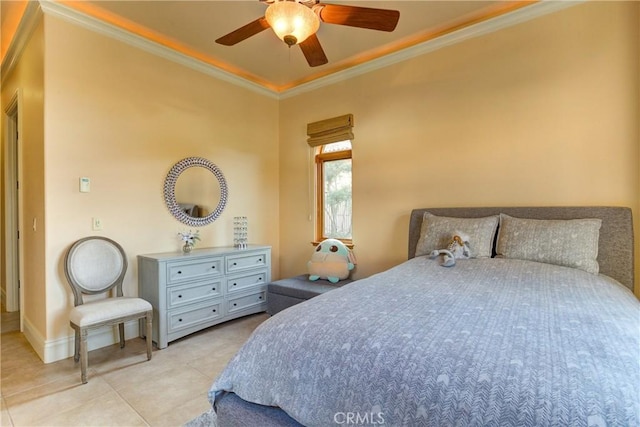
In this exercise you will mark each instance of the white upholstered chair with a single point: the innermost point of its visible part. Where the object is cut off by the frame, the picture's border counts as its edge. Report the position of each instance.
(96, 265)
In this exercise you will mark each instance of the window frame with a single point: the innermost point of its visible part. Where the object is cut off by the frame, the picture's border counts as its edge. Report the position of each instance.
(320, 158)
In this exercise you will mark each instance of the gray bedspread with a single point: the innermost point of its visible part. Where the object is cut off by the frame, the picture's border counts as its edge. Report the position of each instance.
(489, 342)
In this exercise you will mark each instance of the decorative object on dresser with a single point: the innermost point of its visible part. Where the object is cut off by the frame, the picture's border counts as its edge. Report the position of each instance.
(240, 232)
(190, 292)
(189, 238)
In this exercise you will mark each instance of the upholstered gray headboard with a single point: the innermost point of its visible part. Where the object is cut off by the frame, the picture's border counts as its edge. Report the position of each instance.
(615, 247)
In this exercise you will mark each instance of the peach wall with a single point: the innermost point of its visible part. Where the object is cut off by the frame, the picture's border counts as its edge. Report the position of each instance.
(28, 77)
(544, 113)
(123, 117)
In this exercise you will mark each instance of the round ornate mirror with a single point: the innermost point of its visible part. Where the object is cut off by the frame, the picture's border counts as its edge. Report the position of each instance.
(192, 197)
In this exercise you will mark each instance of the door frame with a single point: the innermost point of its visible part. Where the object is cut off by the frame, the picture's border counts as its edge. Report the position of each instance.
(13, 204)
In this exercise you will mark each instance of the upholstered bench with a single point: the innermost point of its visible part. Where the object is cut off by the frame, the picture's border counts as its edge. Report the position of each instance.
(284, 293)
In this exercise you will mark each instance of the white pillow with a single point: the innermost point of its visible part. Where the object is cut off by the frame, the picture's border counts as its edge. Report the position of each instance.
(570, 243)
(436, 232)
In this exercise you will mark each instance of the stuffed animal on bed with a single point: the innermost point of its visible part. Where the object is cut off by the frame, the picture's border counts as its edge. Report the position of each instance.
(332, 261)
(458, 248)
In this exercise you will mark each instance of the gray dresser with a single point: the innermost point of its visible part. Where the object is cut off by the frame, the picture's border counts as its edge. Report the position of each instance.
(190, 292)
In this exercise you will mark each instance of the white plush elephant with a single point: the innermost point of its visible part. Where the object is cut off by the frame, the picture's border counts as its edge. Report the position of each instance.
(332, 261)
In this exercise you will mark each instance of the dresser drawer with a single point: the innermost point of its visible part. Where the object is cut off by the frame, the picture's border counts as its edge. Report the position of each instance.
(194, 270)
(246, 281)
(246, 301)
(194, 315)
(193, 292)
(246, 261)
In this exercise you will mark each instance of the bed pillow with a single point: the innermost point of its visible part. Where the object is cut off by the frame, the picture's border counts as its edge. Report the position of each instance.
(436, 233)
(570, 243)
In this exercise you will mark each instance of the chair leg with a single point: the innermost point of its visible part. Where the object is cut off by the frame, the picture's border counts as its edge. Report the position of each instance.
(76, 348)
(121, 331)
(149, 320)
(84, 357)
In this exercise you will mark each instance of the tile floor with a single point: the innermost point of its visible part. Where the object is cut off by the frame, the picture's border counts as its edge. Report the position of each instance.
(124, 389)
(9, 321)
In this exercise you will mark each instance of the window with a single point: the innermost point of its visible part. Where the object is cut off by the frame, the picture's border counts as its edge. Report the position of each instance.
(333, 189)
(331, 140)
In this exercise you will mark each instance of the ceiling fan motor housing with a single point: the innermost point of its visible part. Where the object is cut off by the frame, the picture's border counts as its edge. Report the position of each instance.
(290, 40)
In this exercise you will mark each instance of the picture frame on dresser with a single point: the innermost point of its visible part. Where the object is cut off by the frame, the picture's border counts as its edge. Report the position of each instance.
(208, 286)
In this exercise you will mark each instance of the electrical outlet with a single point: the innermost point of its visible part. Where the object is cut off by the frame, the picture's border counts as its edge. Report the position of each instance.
(97, 224)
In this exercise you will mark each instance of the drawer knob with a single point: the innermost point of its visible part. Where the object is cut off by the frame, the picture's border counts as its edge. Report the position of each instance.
(235, 263)
(234, 304)
(179, 272)
(234, 284)
(214, 310)
(259, 259)
(179, 320)
(213, 289)
(260, 297)
(213, 266)
(179, 296)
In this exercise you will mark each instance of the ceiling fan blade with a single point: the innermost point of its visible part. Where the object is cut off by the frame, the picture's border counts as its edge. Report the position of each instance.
(243, 33)
(313, 52)
(356, 16)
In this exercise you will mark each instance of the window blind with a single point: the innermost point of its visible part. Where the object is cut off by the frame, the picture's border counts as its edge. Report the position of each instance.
(331, 130)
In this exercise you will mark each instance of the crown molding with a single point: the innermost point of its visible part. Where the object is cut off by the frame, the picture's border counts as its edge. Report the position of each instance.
(489, 26)
(71, 15)
(35, 9)
(27, 25)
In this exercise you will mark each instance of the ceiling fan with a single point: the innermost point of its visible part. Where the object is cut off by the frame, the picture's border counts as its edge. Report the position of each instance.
(296, 22)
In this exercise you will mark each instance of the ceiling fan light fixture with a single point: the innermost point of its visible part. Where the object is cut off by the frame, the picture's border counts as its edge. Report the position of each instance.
(292, 22)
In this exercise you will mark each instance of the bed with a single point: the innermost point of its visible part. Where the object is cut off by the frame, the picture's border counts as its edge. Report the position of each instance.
(541, 328)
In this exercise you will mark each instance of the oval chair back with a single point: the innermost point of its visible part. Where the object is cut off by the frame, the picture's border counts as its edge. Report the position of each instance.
(95, 265)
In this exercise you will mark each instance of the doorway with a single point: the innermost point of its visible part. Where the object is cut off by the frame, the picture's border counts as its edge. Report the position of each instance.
(13, 293)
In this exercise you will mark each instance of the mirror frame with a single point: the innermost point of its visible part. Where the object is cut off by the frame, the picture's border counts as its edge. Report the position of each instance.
(170, 191)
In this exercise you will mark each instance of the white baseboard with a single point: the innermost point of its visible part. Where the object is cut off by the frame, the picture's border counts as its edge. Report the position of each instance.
(62, 348)
(33, 336)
